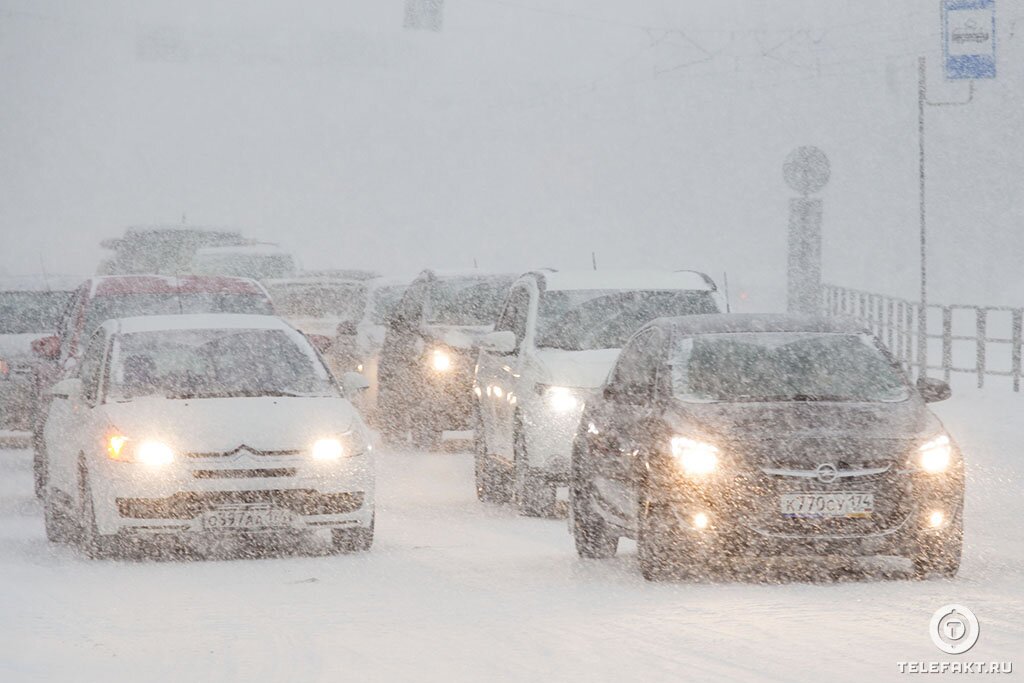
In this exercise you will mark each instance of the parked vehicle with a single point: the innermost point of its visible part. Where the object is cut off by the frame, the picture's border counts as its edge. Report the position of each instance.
(29, 308)
(161, 249)
(724, 437)
(104, 297)
(427, 358)
(207, 425)
(258, 261)
(557, 337)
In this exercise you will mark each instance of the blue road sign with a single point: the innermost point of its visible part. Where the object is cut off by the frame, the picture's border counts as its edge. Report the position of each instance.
(969, 37)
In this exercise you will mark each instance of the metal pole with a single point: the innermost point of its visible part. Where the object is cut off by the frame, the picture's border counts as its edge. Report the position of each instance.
(922, 317)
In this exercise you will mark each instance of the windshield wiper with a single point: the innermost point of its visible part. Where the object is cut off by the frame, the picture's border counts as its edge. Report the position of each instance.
(796, 398)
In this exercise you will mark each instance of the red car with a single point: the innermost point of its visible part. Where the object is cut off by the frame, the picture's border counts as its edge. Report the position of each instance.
(102, 298)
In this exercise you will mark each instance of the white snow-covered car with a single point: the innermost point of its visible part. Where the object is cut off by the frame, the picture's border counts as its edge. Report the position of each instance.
(558, 335)
(192, 425)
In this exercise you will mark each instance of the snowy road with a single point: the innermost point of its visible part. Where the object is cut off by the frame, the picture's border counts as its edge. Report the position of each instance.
(455, 590)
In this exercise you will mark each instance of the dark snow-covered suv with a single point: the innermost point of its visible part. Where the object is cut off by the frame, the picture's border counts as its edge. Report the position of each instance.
(726, 436)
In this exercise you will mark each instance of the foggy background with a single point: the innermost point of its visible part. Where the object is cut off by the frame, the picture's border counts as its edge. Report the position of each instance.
(527, 133)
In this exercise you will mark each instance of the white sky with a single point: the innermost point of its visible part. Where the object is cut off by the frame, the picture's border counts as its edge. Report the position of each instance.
(528, 133)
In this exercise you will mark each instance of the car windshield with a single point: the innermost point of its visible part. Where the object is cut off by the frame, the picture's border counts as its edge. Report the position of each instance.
(341, 301)
(468, 301)
(593, 319)
(28, 312)
(214, 364)
(384, 301)
(784, 366)
(129, 305)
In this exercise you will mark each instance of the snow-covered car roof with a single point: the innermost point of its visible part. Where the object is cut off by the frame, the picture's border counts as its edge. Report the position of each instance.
(198, 321)
(40, 283)
(625, 280)
(113, 285)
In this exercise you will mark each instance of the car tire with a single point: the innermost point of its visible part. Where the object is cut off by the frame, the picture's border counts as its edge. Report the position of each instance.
(662, 549)
(535, 496)
(591, 534)
(939, 555)
(94, 545)
(493, 484)
(59, 527)
(350, 540)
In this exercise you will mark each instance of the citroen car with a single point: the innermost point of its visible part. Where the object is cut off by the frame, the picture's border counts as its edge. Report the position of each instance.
(195, 426)
(425, 371)
(557, 337)
(723, 437)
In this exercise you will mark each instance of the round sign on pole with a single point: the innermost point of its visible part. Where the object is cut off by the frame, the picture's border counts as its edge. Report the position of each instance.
(806, 170)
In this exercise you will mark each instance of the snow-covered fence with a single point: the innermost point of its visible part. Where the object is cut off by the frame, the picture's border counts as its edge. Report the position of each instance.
(984, 341)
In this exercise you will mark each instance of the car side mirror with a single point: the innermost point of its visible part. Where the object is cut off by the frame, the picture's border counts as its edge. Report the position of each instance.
(321, 342)
(353, 382)
(501, 343)
(47, 348)
(66, 388)
(933, 390)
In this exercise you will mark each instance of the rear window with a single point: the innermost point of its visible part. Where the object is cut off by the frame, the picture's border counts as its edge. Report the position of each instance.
(129, 305)
(28, 312)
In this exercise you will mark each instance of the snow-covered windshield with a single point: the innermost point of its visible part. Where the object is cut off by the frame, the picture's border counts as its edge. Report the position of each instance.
(341, 301)
(26, 312)
(596, 319)
(129, 305)
(384, 300)
(467, 301)
(214, 363)
(784, 366)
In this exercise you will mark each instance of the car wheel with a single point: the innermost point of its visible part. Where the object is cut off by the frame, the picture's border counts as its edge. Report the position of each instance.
(95, 545)
(535, 496)
(940, 554)
(353, 540)
(662, 548)
(594, 540)
(492, 481)
(59, 527)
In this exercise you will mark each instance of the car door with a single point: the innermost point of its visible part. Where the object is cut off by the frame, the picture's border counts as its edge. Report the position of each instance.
(402, 343)
(497, 373)
(631, 407)
(69, 428)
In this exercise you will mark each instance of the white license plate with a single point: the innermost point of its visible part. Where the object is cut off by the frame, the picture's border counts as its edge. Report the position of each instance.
(847, 504)
(245, 517)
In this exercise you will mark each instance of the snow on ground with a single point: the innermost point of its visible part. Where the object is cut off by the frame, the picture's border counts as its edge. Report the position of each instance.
(456, 590)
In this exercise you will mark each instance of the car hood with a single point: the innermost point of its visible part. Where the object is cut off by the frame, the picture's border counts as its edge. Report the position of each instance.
(807, 432)
(218, 425)
(459, 336)
(18, 346)
(584, 369)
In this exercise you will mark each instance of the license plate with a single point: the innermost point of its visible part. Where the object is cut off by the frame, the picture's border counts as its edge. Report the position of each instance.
(847, 504)
(245, 517)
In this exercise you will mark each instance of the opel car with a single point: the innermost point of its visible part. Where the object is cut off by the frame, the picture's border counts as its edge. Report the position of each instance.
(719, 438)
(558, 335)
(204, 425)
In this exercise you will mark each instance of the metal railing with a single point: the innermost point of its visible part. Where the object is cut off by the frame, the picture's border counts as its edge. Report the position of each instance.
(984, 341)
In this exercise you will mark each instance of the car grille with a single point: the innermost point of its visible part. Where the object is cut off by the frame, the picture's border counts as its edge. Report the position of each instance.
(245, 474)
(189, 505)
(867, 467)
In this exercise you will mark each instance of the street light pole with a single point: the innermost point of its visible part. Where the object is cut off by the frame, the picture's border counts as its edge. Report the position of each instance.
(922, 315)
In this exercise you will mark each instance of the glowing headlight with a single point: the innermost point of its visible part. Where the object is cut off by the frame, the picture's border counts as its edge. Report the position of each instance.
(328, 449)
(934, 455)
(562, 399)
(115, 445)
(695, 457)
(154, 453)
(440, 360)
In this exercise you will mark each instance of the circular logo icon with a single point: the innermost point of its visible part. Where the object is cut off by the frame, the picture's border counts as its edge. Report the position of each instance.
(954, 629)
(827, 473)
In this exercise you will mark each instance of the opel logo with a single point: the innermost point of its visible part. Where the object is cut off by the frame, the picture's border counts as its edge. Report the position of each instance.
(827, 473)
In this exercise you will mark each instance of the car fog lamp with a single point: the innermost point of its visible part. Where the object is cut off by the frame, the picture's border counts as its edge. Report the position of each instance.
(695, 457)
(441, 360)
(936, 518)
(701, 521)
(935, 455)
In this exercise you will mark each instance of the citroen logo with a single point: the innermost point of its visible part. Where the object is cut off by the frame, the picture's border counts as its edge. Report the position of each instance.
(827, 473)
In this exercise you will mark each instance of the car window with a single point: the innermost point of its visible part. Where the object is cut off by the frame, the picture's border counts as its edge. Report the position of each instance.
(410, 307)
(514, 316)
(90, 369)
(636, 372)
(466, 301)
(128, 305)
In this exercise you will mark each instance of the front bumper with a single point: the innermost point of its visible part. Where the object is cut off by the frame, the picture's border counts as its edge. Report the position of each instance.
(134, 498)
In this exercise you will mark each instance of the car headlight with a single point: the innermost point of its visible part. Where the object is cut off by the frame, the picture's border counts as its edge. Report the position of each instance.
(149, 452)
(335, 448)
(440, 360)
(935, 455)
(561, 399)
(696, 458)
